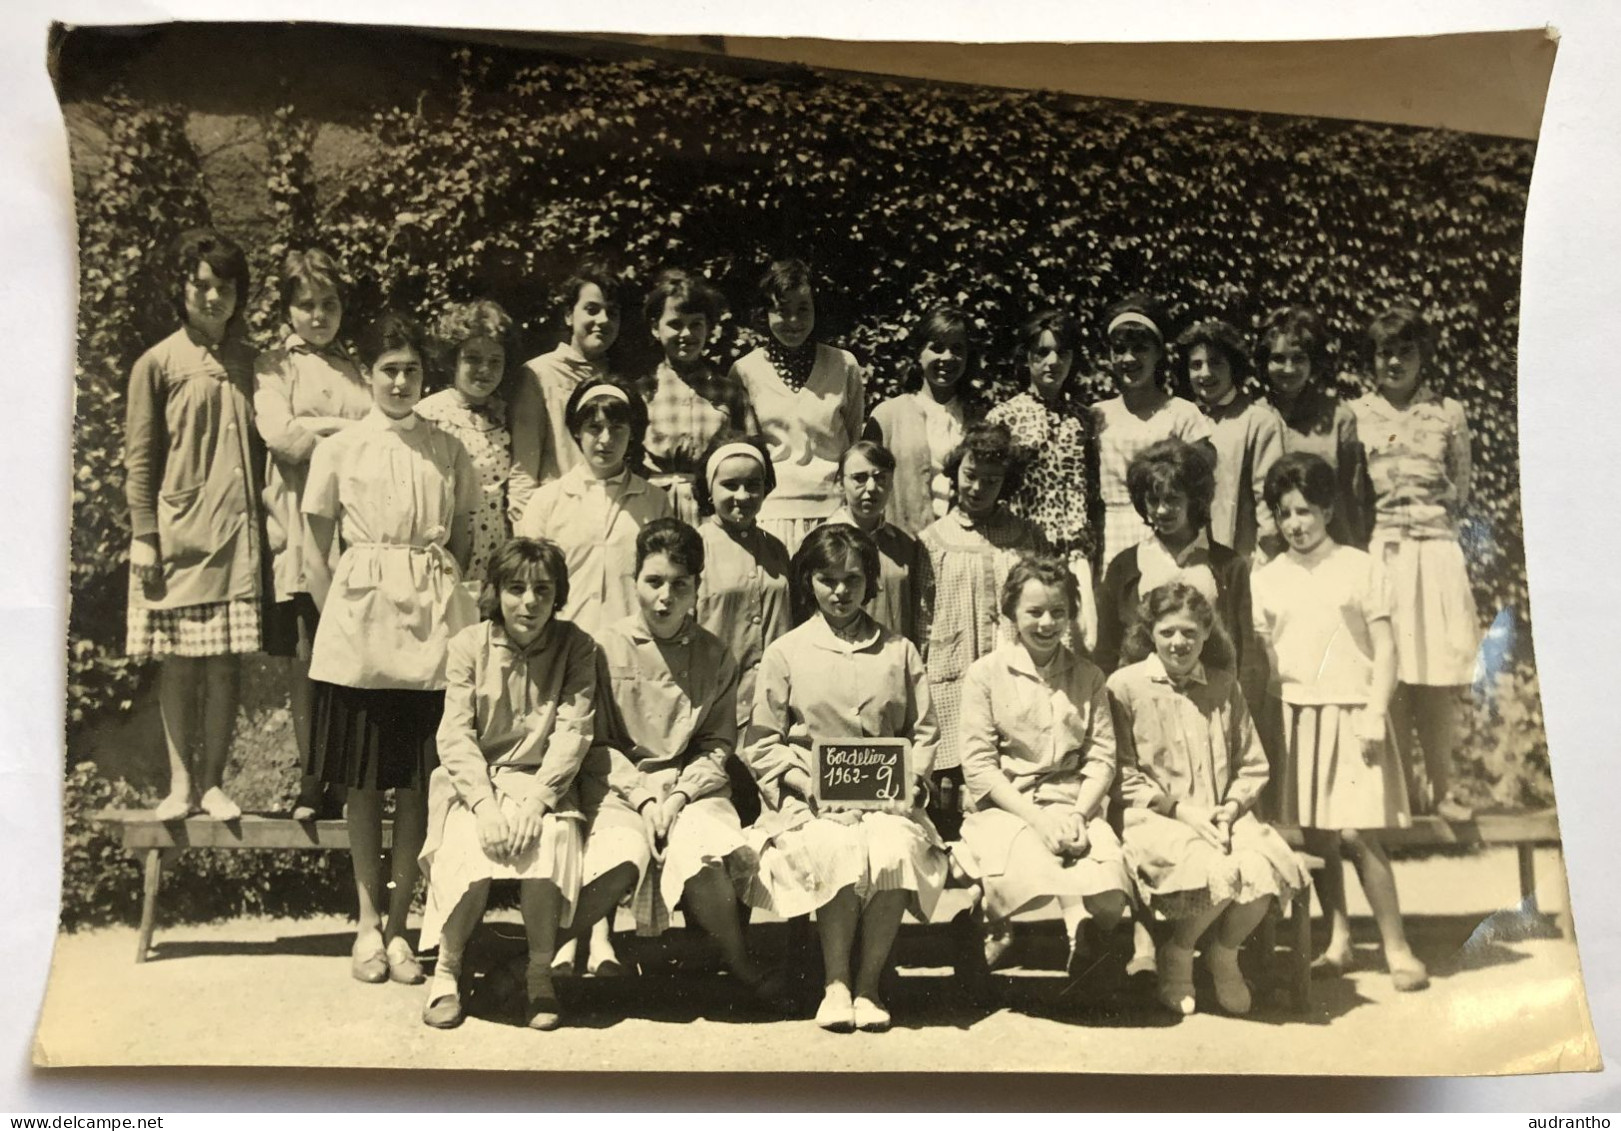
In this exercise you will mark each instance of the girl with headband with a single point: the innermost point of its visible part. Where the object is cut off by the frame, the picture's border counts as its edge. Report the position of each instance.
(743, 594)
(1142, 414)
(594, 514)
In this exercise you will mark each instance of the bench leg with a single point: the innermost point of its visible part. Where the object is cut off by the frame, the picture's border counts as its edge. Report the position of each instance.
(1300, 958)
(1528, 877)
(149, 902)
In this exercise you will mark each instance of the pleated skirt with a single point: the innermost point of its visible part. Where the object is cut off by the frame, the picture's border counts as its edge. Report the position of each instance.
(1433, 614)
(374, 738)
(1329, 781)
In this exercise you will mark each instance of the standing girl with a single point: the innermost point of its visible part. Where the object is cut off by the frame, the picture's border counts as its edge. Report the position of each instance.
(866, 473)
(1418, 459)
(743, 595)
(1143, 413)
(922, 425)
(543, 448)
(1326, 627)
(664, 830)
(1055, 441)
(481, 343)
(969, 553)
(306, 388)
(194, 519)
(398, 494)
(808, 399)
(687, 399)
(1038, 759)
(504, 802)
(595, 510)
(1247, 436)
(1293, 358)
(842, 675)
(1191, 771)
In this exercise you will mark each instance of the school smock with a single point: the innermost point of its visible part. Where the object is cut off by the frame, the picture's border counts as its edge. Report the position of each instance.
(1324, 426)
(920, 432)
(683, 415)
(1313, 615)
(189, 463)
(1248, 438)
(543, 449)
(967, 562)
(1420, 465)
(595, 523)
(815, 685)
(1193, 741)
(895, 604)
(743, 598)
(394, 488)
(301, 393)
(1047, 730)
(482, 430)
(806, 429)
(1120, 435)
(1057, 490)
(666, 723)
(517, 724)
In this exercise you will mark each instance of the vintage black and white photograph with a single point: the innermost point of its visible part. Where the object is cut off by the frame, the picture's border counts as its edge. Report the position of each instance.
(584, 546)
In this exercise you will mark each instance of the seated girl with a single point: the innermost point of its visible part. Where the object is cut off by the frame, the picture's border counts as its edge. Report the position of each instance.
(503, 804)
(841, 675)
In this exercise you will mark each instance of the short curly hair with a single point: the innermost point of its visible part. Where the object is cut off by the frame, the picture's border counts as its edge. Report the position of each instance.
(987, 443)
(1399, 322)
(516, 560)
(310, 267)
(1047, 569)
(461, 322)
(224, 256)
(1178, 597)
(1301, 325)
(1172, 465)
(1305, 472)
(690, 293)
(1213, 334)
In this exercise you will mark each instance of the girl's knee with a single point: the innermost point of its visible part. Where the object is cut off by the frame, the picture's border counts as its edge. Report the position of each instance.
(1107, 904)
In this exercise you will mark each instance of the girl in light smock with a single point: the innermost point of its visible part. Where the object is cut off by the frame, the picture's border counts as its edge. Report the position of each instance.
(842, 675)
(305, 388)
(1418, 458)
(1191, 771)
(504, 802)
(809, 402)
(595, 510)
(663, 829)
(1325, 621)
(194, 559)
(481, 343)
(398, 495)
(1038, 759)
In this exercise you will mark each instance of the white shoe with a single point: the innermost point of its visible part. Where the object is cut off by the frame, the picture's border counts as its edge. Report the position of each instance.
(837, 1012)
(871, 1017)
(1232, 992)
(219, 806)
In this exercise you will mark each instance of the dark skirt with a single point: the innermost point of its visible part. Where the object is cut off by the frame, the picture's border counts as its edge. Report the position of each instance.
(289, 627)
(374, 738)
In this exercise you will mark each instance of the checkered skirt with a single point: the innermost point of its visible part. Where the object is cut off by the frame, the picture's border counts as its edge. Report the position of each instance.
(219, 628)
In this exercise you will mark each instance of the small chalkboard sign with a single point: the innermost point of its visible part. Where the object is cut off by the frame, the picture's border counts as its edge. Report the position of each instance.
(862, 773)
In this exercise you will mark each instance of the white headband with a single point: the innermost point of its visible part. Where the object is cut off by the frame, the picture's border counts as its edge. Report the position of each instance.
(1133, 318)
(726, 452)
(598, 392)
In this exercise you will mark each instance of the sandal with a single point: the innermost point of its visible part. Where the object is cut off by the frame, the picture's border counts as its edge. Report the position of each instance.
(403, 966)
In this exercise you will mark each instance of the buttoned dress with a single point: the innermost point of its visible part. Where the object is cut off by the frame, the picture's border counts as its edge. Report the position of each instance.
(895, 604)
(1047, 730)
(543, 449)
(595, 523)
(517, 725)
(190, 464)
(960, 618)
(1121, 434)
(482, 430)
(1193, 741)
(743, 598)
(1313, 614)
(920, 432)
(666, 723)
(813, 684)
(683, 414)
(1420, 465)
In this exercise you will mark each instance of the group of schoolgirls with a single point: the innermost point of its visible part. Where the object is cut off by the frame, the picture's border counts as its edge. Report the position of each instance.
(587, 630)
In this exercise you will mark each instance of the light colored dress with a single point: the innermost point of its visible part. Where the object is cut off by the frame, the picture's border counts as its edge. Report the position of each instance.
(1121, 434)
(1057, 490)
(666, 723)
(960, 617)
(394, 487)
(1047, 730)
(743, 598)
(1248, 438)
(300, 394)
(920, 432)
(595, 523)
(683, 415)
(1420, 465)
(1195, 742)
(806, 429)
(815, 685)
(482, 430)
(543, 449)
(516, 727)
(1313, 614)
(895, 604)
